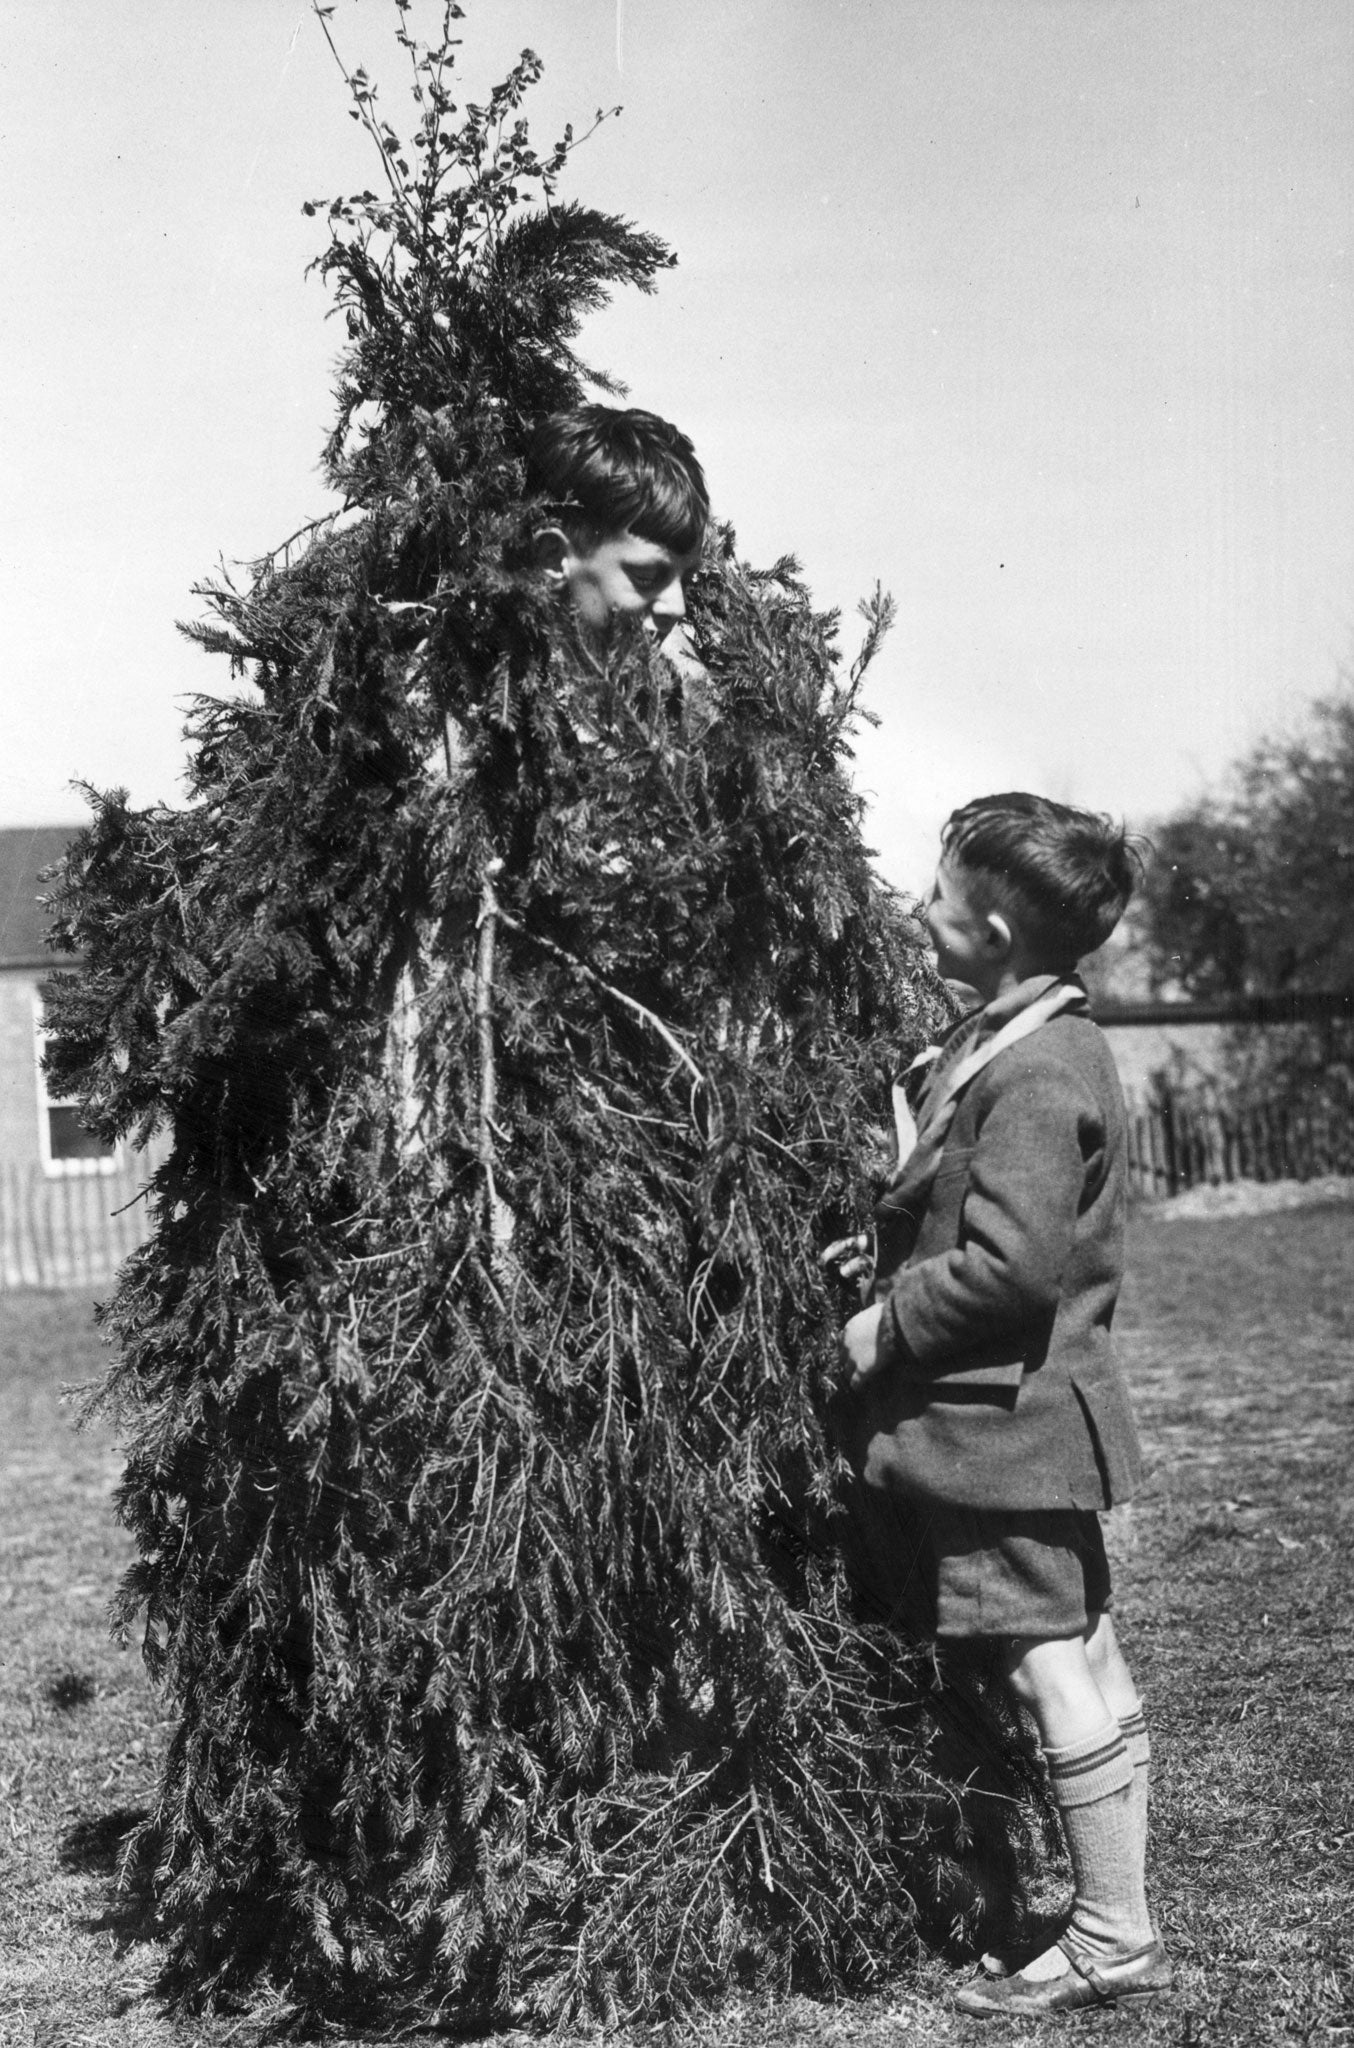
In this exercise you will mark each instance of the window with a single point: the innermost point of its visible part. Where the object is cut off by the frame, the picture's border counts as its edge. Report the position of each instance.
(65, 1145)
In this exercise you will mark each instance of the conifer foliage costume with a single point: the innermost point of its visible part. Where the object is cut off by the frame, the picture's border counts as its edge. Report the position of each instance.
(515, 1016)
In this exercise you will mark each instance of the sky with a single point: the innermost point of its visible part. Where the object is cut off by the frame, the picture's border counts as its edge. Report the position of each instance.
(1038, 312)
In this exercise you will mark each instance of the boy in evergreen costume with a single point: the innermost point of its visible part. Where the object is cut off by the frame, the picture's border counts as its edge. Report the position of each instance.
(470, 1444)
(981, 1387)
(629, 508)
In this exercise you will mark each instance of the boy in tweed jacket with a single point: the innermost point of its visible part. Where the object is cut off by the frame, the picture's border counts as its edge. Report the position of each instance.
(980, 1384)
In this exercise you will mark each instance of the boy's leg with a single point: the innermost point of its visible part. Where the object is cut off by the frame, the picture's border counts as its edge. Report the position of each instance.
(1091, 1778)
(1120, 1695)
(1040, 1582)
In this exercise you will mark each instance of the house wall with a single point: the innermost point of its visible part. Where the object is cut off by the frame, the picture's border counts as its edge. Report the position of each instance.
(19, 1141)
(68, 1222)
(1190, 1053)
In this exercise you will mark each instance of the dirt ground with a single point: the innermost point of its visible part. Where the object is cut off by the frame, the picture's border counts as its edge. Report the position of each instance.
(1235, 1572)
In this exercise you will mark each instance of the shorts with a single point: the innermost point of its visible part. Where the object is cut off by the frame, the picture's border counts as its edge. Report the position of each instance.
(1039, 1572)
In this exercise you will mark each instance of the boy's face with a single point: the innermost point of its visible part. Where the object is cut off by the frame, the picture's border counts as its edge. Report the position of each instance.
(621, 573)
(971, 943)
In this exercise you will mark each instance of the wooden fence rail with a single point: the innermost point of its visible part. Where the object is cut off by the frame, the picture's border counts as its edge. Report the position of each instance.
(1186, 1141)
(68, 1230)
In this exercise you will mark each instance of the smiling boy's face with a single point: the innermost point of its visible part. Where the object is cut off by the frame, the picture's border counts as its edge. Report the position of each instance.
(621, 573)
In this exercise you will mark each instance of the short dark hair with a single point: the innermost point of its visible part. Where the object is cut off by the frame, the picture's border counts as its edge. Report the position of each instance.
(615, 468)
(1066, 875)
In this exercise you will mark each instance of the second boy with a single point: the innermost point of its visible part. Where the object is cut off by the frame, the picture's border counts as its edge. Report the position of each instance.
(981, 1385)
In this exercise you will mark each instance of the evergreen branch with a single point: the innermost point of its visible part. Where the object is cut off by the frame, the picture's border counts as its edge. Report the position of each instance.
(502, 1222)
(282, 552)
(709, 1870)
(632, 1116)
(776, 1146)
(402, 1064)
(590, 975)
(755, 1804)
(879, 612)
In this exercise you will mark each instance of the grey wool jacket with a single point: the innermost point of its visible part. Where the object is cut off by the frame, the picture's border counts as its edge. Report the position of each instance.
(997, 1384)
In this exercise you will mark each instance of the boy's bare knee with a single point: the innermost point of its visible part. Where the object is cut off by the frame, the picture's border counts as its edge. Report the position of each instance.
(1108, 1667)
(1016, 1667)
(1035, 1665)
(1052, 1678)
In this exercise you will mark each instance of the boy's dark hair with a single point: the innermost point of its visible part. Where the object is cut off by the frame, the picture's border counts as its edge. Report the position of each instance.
(1066, 874)
(612, 469)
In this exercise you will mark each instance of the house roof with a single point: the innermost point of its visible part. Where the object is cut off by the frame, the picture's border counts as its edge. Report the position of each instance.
(25, 850)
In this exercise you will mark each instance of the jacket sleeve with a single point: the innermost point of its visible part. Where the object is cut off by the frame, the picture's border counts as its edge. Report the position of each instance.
(1036, 1129)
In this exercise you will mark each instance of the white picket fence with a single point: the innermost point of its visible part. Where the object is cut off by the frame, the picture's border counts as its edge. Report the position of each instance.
(69, 1230)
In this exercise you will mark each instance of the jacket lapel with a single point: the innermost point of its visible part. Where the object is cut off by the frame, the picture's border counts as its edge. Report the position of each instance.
(974, 1042)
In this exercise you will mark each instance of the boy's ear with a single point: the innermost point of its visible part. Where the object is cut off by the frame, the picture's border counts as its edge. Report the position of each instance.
(550, 551)
(998, 938)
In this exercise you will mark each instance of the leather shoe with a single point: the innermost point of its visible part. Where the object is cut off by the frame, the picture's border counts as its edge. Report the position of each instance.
(1039, 1932)
(1089, 1981)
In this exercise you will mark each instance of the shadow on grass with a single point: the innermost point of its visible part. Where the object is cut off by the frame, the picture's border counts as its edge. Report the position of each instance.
(97, 1847)
(70, 1690)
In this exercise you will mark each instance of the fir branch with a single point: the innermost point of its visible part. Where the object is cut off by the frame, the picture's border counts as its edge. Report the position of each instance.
(880, 613)
(501, 1221)
(595, 980)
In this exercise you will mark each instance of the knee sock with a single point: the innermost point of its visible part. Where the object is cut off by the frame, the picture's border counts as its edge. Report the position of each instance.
(1092, 1786)
(1133, 1728)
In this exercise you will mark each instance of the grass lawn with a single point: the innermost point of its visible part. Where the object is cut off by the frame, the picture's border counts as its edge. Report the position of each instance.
(1235, 1571)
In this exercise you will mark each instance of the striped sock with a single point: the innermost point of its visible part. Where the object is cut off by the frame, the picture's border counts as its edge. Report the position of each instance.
(1091, 1783)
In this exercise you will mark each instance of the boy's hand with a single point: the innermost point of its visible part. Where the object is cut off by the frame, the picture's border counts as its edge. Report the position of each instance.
(860, 1345)
(854, 1259)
